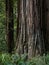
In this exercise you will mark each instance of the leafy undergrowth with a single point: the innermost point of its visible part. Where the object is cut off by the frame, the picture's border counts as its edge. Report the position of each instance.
(15, 59)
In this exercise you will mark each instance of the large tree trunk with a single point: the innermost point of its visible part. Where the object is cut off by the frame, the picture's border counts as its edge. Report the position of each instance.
(9, 25)
(29, 36)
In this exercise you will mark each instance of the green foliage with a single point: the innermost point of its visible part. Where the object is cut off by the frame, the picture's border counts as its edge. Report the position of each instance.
(3, 45)
(15, 59)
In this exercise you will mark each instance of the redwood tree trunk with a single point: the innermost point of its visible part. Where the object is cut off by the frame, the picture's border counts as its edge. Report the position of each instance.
(29, 35)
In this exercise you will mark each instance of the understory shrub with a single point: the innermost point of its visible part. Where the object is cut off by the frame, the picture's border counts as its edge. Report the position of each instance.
(15, 59)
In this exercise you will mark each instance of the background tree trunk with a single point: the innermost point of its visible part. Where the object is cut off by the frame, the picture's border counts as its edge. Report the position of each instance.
(9, 25)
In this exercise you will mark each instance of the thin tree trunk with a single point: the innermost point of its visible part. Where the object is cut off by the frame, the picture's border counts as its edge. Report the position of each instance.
(9, 25)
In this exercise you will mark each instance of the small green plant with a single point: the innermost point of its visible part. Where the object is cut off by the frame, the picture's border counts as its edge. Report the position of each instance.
(15, 59)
